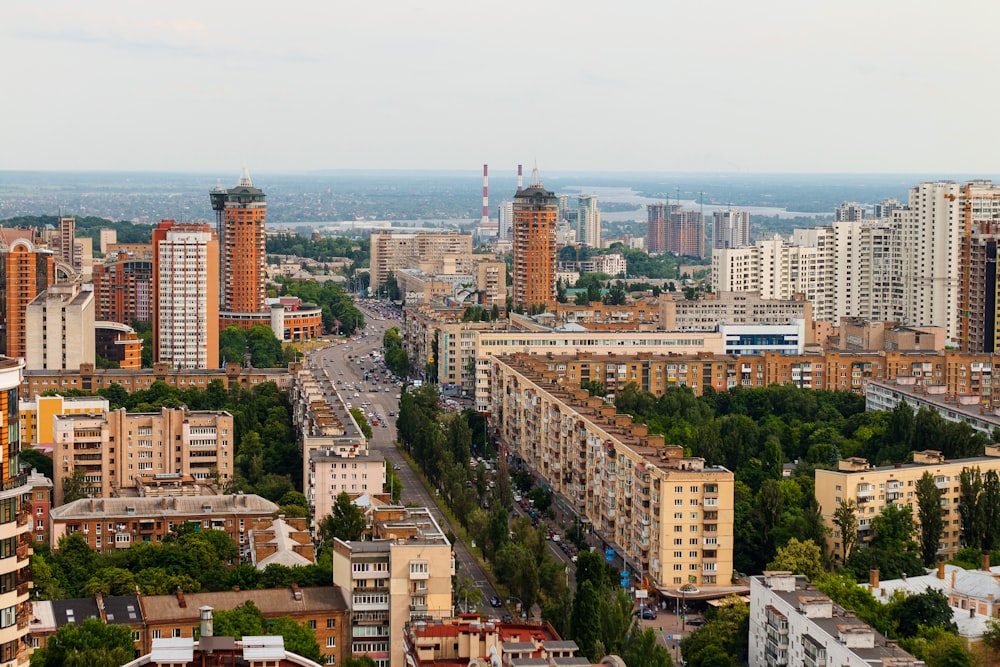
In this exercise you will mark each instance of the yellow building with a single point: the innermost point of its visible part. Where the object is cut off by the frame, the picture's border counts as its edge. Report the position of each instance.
(38, 413)
(669, 516)
(872, 488)
(401, 575)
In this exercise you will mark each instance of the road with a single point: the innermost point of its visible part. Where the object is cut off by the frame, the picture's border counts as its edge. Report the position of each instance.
(333, 360)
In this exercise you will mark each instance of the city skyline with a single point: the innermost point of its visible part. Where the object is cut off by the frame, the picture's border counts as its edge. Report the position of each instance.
(402, 86)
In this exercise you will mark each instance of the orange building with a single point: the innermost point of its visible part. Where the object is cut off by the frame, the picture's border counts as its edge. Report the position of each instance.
(185, 295)
(240, 215)
(28, 270)
(536, 212)
(123, 290)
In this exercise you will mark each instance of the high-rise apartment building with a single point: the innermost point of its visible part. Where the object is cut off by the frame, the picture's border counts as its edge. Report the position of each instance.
(884, 209)
(28, 270)
(505, 216)
(61, 322)
(979, 314)
(67, 242)
(685, 232)
(15, 525)
(731, 229)
(536, 212)
(588, 221)
(123, 291)
(240, 217)
(186, 295)
(392, 252)
(849, 211)
(656, 228)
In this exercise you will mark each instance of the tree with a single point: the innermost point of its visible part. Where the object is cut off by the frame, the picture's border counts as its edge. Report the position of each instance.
(643, 648)
(362, 422)
(346, 521)
(938, 647)
(299, 638)
(970, 486)
(929, 608)
(931, 518)
(360, 661)
(594, 387)
(585, 620)
(92, 643)
(799, 558)
(76, 485)
(845, 517)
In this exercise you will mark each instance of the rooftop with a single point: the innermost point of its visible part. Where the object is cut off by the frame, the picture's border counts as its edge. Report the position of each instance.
(88, 508)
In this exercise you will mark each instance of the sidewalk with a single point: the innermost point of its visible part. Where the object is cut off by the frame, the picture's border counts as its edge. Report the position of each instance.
(670, 629)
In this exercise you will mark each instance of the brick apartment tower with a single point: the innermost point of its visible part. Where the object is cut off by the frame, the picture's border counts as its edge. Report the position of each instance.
(185, 295)
(240, 216)
(536, 212)
(685, 232)
(27, 270)
(656, 228)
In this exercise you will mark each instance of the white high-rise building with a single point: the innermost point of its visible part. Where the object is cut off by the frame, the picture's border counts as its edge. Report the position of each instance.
(505, 218)
(588, 221)
(731, 229)
(849, 211)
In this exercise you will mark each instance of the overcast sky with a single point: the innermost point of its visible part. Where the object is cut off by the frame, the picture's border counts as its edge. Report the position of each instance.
(617, 85)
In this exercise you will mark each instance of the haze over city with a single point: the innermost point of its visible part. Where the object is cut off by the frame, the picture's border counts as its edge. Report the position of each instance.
(724, 86)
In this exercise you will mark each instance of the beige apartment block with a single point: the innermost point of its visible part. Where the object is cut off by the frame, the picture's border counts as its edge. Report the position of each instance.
(355, 473)
(116, 448)
(403, 574)
(390, 252)
(873, 488)
(706, 313)
(61, 325)
(670, 516)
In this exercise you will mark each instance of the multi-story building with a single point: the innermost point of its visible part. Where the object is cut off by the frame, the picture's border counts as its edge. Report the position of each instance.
(391, 252)
(15, 526)
(656, 228)
(477, 278)
(281, 540)
(886, 209)
(613, 264)
(28, 270)
(186, 299)
(61, 321)
(241, 215)
(588, 221)
(849, 211)
(670, 517)
(90, 379)
(41, 505)
(978, 317)
(332, 472)
(962, 408)
(873, 488)
(117, 447)
(685, 232)
(154, 619)
(118, 523)
(535, 214)
(730, 229)
(742, 308)
(505, 219)
(468, 642)
(792, 623)
(107, 237)
(403, 574)
(37, 415)
(123, 289)
(118, 343)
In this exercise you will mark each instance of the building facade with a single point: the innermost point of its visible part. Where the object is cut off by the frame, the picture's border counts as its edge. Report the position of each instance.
(873, 488)
(61, 321)
(588, 221)
(669, 517)
(730, 228)
(391, 252)
(536, 211)
(685, 232)
(656, 228)
(186, 295)
(123, 290)
(402, 575)
(240, 218)
(28, 270)
(792, 623)
(116, 448)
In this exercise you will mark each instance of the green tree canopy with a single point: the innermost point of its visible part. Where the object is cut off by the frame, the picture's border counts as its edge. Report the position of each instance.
(91, 643)
(346, 521)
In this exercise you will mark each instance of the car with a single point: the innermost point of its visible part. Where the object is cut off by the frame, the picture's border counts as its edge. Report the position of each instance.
(696, 621)
(496, 602)
(646, 614)
(396, 467)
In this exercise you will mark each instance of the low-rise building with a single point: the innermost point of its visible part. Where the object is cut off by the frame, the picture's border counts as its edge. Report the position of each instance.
(281, 541)
(962, 408)
(118, 523)
(403, 574)
(669, 517)
(873, 488)
(37, 415)
(792, 623)
(331, 474)
(41, 505)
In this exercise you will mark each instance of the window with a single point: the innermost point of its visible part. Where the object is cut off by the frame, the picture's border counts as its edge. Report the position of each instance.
(331, 642)
(331, 624)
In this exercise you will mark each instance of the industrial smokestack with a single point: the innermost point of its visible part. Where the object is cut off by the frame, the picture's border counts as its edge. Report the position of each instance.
(486, 194)
(519, 178)
(206, 621)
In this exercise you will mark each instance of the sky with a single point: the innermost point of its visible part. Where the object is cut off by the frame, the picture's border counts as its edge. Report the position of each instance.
(787, 86)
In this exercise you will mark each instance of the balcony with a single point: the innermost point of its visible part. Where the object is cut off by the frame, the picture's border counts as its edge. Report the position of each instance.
(421, 608)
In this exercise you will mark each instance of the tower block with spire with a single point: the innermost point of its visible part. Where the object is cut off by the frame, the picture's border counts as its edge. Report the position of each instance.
(536, 212)
(240, 217)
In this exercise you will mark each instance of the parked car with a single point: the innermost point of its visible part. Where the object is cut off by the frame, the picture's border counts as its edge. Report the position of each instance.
(495, 602)
(646, 614)
(696, 621)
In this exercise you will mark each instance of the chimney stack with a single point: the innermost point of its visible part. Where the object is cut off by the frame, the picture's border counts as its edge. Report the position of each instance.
(181, 602)
(486, 194)
(206, 621)
(940, 570)
(873, 578)
(519, 178)
(984, 563)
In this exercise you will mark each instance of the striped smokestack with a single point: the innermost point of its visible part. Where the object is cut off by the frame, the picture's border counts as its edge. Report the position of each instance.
(486, 194)
(519, 178)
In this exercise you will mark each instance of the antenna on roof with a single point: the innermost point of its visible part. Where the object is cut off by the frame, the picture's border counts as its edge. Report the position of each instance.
(536, 180)
(245, 178)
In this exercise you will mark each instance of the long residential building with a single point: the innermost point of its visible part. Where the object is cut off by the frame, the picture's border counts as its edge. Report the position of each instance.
(107, 524)
(792, 623)
(390, 252)
(670, 517)
(742, 308)
(873, 488)
(115, 448)
(401, 575)
(90, 379)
